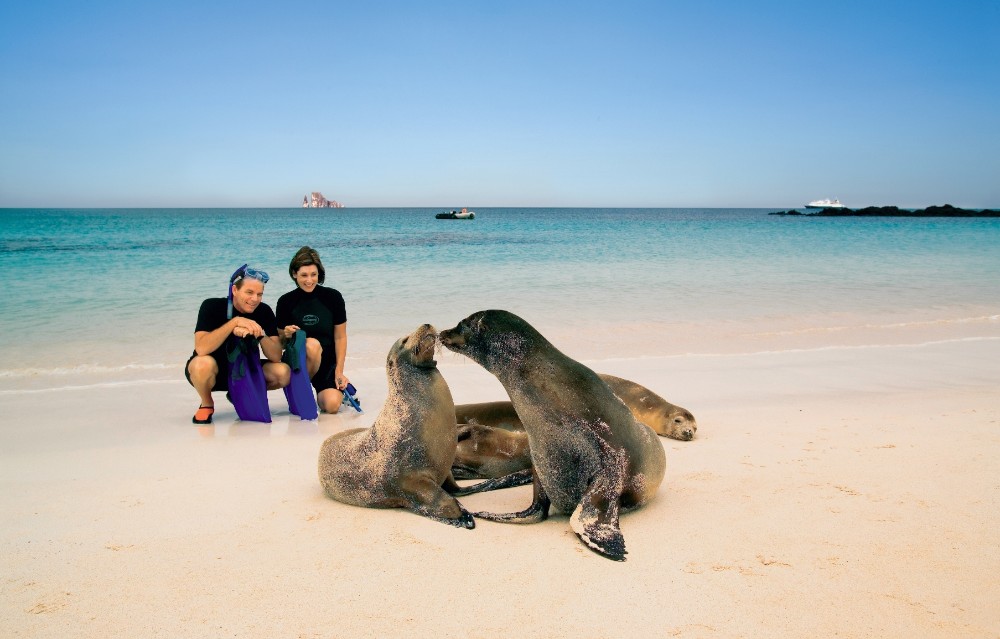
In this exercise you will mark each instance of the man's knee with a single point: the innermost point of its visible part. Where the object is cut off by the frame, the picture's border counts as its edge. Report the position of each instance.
(202, 368)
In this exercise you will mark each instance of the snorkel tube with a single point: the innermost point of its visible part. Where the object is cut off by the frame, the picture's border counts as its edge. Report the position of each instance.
(237, 274)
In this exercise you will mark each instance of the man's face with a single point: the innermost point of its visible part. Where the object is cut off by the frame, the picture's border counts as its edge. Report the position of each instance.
(248, 296)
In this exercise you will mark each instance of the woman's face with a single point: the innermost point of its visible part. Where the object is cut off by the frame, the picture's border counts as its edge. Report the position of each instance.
(307, 277)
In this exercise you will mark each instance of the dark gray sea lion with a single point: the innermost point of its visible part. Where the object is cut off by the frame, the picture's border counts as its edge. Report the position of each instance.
(590, 457)
(649, 408)
(404, 460)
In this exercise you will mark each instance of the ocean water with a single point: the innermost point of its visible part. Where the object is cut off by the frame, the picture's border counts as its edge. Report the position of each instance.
(113, 294)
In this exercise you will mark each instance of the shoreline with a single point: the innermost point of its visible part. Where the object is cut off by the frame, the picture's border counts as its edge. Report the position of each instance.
(597, 341)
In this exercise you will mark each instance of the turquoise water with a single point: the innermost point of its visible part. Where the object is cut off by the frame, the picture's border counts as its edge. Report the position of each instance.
(117, 291)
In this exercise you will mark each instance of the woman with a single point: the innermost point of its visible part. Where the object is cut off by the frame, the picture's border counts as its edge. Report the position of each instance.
(320, 312)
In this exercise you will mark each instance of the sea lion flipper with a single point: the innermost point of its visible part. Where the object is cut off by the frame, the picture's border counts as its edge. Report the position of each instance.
(595, 521)
(519, 478)
(460, 472)
(450, 486)
(536, 512)
(426, 498)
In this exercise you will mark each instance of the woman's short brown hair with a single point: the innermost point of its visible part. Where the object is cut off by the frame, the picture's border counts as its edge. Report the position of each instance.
(306, 256)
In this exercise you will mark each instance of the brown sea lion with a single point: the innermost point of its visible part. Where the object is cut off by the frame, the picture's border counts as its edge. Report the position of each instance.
(649, 408)
(404, 460)
(488, 452)
(590, 457)
(652, 410)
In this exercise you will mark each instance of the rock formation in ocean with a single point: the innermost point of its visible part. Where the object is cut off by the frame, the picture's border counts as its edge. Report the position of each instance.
(946, 210)
(316, 201)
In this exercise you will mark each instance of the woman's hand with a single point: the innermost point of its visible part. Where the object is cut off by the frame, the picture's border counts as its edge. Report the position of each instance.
(341, 381)
(289, 331)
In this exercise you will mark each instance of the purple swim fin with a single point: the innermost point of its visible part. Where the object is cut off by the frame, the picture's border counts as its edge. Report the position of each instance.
(247, 386)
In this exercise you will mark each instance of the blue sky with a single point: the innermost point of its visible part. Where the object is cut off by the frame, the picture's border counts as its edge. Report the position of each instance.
(649, 104)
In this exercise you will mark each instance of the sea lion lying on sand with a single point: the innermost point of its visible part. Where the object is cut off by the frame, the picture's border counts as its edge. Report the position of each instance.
(485, 452)
(668, 420)
(404, 460)
(590, 457)
(492, 442)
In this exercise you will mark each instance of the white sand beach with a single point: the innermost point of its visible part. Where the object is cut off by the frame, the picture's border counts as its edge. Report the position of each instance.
(848, 492)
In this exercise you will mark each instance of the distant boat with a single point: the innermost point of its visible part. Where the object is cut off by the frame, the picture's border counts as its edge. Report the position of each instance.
(825, 204)
(464, 214)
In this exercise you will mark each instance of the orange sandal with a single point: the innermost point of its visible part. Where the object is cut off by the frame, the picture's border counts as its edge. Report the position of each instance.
(203, 415)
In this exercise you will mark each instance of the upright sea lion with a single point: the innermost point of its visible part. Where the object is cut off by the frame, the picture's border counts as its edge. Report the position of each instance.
(590, 457)
(649, 408)
(405, 458)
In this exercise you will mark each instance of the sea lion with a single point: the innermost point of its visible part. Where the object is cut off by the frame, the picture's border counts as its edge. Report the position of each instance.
(649, 408)
(488, 452)
(405, 458)
(590, 457)
(668, 420)
(496, 414)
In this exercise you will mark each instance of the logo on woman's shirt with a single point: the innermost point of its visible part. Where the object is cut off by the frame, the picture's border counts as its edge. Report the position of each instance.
(310, 320)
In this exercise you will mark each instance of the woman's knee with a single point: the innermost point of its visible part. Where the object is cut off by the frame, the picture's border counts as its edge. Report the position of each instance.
(330, 400)
(314, 350)
(277, 375)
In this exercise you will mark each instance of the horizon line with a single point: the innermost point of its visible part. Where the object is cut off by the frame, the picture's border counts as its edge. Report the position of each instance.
(495, 206)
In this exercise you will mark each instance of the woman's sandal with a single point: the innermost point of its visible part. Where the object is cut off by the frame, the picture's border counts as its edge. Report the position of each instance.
(203, 415)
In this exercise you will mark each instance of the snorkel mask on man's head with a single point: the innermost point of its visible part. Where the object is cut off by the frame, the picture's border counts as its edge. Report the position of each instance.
(236, 279)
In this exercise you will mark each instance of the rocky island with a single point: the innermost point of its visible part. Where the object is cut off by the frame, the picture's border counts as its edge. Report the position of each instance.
(946, 210)
(315, 200)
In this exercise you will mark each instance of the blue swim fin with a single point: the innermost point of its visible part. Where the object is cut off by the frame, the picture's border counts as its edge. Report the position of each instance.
(299, 392)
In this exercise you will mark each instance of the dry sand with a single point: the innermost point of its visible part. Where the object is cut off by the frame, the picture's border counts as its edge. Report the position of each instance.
(848, 492)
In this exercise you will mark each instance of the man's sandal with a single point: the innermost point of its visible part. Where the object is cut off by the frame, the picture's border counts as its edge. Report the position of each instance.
(203, 415)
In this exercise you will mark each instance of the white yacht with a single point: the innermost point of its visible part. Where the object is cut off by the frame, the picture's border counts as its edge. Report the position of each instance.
(825, 204)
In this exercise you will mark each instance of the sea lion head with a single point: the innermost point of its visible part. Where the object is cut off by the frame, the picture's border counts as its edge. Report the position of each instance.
(666, 419)
(415, 349)
(680, 423)
(491, 338)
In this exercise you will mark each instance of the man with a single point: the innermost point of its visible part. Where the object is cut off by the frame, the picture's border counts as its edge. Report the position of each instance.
(242, 314)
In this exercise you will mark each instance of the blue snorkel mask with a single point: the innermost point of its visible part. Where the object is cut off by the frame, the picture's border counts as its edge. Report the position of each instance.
(239, 274)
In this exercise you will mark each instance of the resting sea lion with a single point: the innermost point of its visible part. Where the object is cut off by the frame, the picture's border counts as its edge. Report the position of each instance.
(652, 410)
(646, 406)
(590, 457)
(405, 458)
(489, 452)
